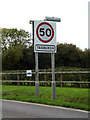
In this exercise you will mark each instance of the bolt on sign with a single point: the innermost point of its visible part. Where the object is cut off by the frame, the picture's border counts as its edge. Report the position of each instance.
(44, 37)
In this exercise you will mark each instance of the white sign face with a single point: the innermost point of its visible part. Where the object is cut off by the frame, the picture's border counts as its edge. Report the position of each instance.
(44, 37)
(29, 73)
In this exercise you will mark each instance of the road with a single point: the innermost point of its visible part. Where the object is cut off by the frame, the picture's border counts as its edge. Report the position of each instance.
(16, 109)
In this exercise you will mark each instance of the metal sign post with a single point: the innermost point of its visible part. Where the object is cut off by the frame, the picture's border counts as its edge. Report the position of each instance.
(36, 76)
(53, 76)
(44, 36)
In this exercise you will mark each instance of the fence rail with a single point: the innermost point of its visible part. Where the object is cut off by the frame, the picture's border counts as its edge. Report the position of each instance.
(44, 81)
(61, 72)
(45, 77)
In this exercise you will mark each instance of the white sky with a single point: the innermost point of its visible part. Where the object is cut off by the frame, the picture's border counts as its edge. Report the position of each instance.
(73, 27)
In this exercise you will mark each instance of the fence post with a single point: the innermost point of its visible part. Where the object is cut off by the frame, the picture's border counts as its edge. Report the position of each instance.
(30, 80)
(80, 78)
(45, 77)
(17, 77)
(61, 80)
(6, 78)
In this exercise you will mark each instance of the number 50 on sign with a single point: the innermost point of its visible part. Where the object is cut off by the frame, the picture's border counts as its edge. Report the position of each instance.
(44, 37)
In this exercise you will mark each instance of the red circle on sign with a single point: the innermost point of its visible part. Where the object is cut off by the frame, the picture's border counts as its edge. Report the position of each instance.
(51, 29)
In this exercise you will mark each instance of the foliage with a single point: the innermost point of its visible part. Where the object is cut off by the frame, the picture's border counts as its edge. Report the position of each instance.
(13, 44)
(14, 37)
(11, 57)
(69, 55)
(18, 53)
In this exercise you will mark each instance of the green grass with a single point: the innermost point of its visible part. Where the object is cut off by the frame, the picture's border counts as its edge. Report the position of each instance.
(65, 97)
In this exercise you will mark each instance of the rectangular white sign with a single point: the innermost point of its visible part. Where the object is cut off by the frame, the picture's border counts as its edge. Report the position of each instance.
(44, 37)
(29, 73)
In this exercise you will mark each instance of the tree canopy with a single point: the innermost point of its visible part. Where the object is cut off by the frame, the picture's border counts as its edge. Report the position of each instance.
(18, 52)
(14, 37)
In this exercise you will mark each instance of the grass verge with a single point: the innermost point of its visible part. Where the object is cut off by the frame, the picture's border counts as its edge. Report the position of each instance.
(65, 97)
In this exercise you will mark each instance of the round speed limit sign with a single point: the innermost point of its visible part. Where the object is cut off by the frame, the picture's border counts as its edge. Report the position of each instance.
(44, 37)
(45, 32)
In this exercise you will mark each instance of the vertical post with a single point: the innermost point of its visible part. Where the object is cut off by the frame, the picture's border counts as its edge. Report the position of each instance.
(6, 78)
(53, 76)
(33, 31)
(32, 22)
(45, 77)
(36, 76)
(61, 80)
(80, 78)
(30, 81)
(17, 77)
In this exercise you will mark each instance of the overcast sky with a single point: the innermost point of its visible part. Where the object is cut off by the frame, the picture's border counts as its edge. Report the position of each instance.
(73, 27)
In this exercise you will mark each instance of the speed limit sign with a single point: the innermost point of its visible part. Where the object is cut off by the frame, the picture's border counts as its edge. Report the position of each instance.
(44, 37)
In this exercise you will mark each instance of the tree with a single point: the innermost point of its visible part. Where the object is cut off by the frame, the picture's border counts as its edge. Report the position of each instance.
(85, 58)
(68, 55)
(44, 60)
(18, 53)
(13, 43)
(14, 37)
(11, 58)
(28, 62)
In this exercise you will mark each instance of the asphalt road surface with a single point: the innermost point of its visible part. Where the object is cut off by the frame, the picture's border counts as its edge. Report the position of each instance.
(13, 109)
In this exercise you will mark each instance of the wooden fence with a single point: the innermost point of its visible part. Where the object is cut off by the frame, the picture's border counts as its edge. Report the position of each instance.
(60, 80)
